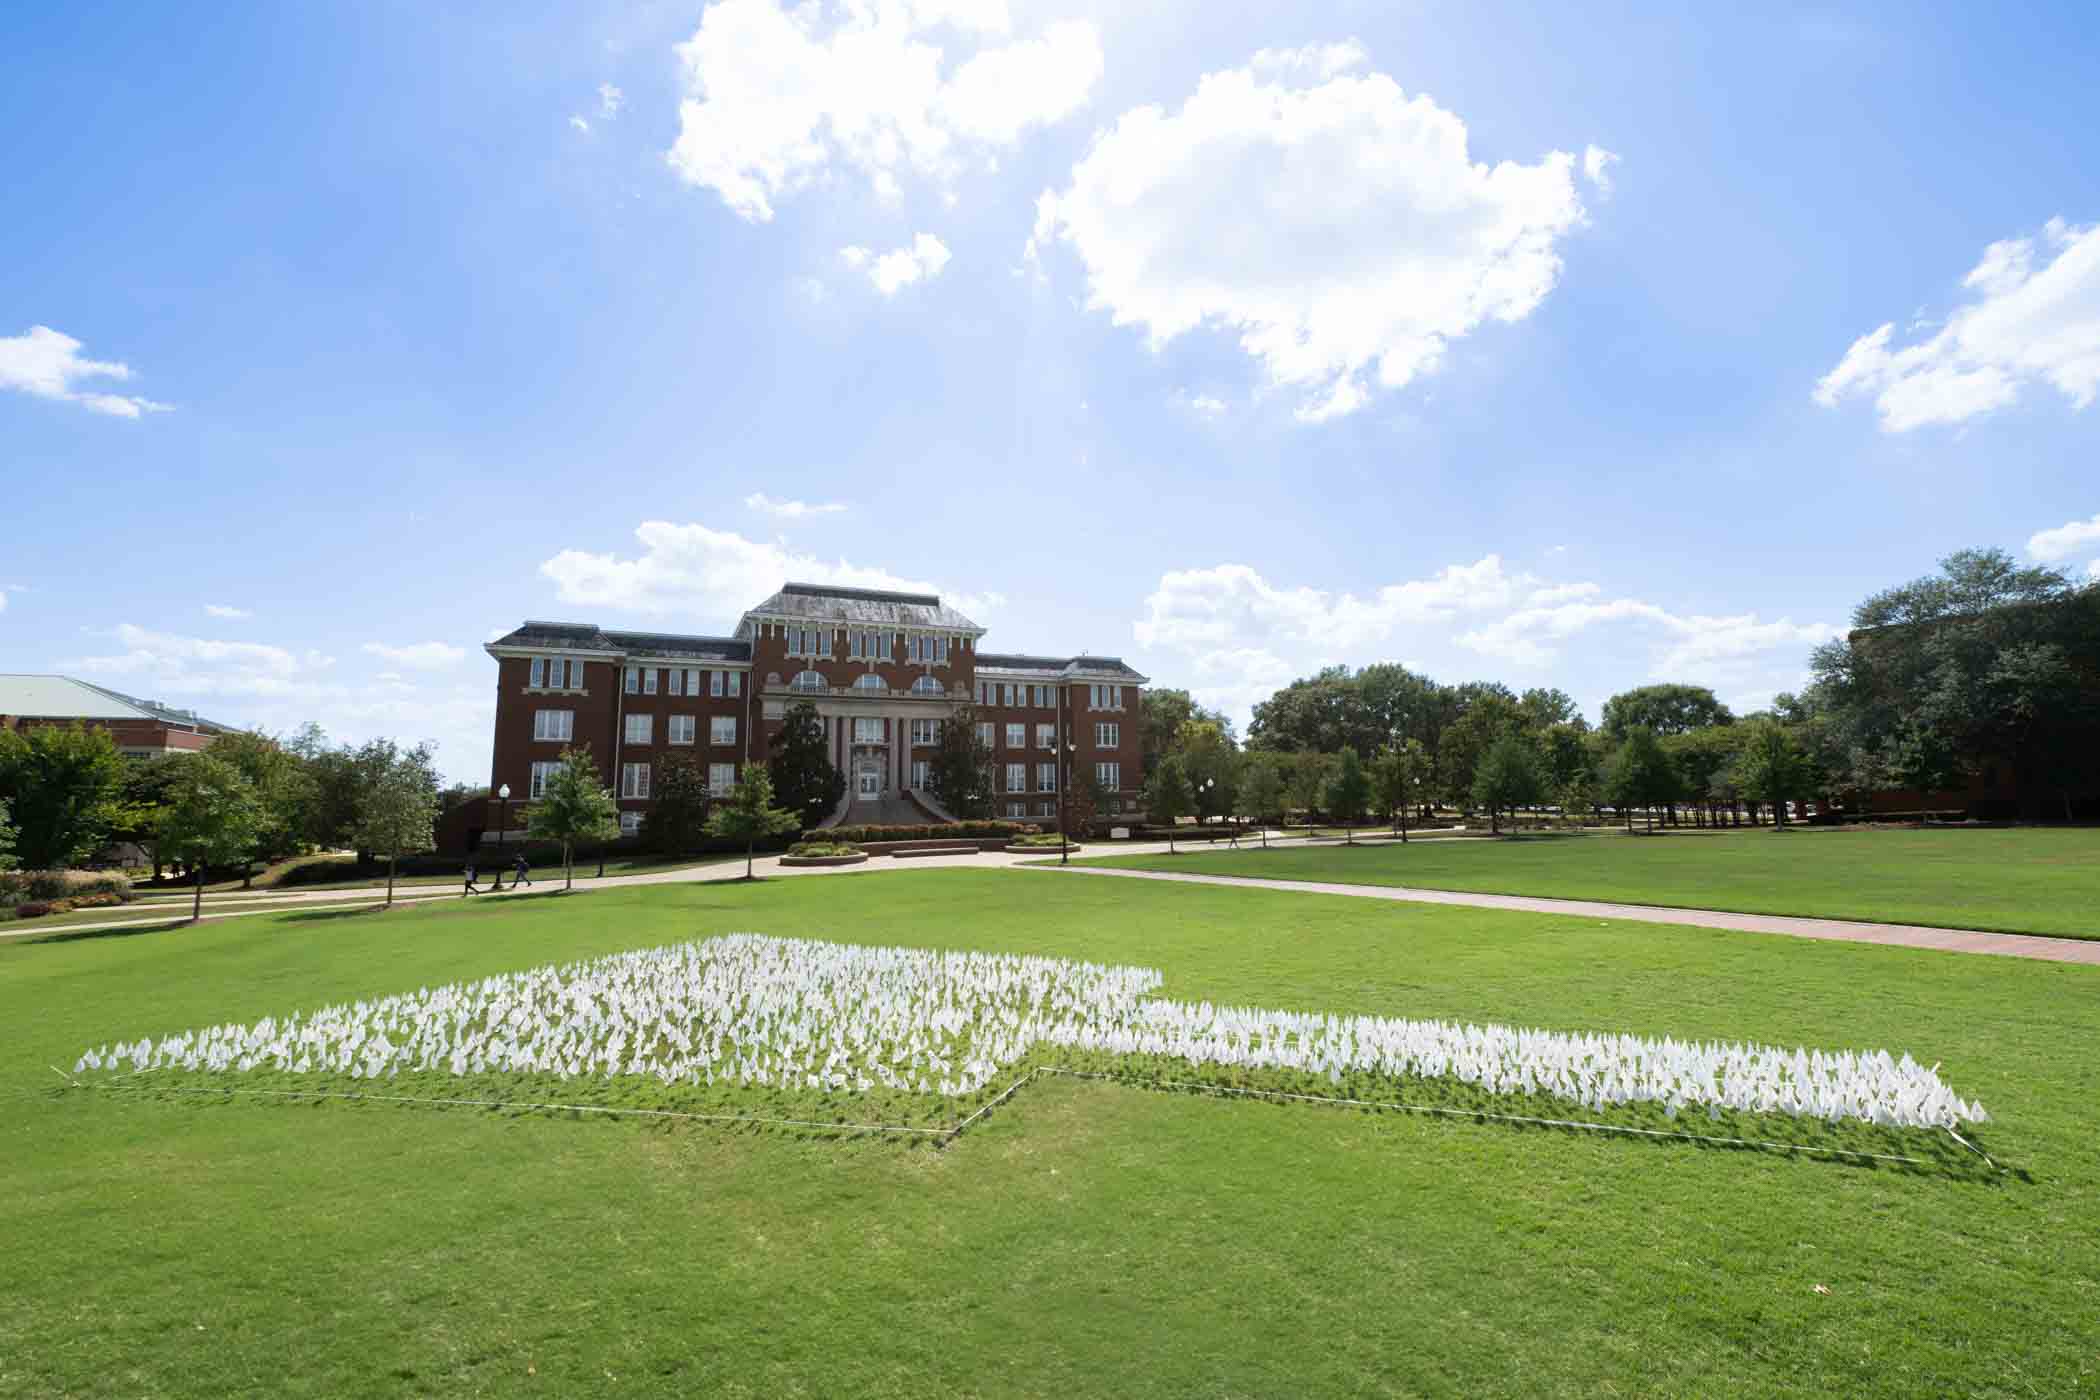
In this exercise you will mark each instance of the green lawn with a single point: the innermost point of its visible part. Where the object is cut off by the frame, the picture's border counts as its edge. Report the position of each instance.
(2019, 881)
(1090, 1239)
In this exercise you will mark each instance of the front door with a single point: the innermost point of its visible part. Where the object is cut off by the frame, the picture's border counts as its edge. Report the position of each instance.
(870, 784)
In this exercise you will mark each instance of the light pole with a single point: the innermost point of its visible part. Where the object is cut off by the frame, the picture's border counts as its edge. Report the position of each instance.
(1064, 795)
(1202, 807)
(502, 834)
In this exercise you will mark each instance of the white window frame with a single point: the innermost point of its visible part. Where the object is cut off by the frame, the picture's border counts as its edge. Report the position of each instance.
(926, 685)
(632, 682)
(871, 681)
(1109, 776)
(553, 726)
(1016, 810)
(715, 683)
(650, 674)
(1017, 777)
(678, 729)
(630, 823)
(694, 680)
(925, 733)
(867, 729)
(721, 730)
(921, 772)
(736, 683)
(538, 674)
(674, 681)
(987, 732)
(716, 785)
(1108, 735)
(542, 770)
(808, 681)
(634, 782)
(1017, 736)
(640, 729)
(1046, 777)
(1046, 737)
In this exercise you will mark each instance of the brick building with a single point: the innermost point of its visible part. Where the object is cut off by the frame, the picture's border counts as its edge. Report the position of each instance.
(884, 671)
(141, 728)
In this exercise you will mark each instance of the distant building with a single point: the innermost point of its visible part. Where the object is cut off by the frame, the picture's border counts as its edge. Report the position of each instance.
(883, 669)
(141, 728)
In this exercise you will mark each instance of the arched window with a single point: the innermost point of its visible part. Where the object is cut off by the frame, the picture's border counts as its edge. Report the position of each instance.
(807, 680)
(926, 685)
(871, 681)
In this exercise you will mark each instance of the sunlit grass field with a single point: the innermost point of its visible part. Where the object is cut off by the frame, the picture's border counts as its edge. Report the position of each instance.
(1086, 1238)
(2017, 881)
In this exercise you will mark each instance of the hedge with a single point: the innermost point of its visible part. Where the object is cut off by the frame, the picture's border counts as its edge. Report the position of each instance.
(933, 831)
(19, 886)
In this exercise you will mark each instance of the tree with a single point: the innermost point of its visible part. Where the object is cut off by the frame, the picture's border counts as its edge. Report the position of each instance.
(1079, 800)
(1306, 786)
(210, 816)
(1641, 775)
(805, 781)
(749, 814)
(7, 839)
(1400, 774)
(1664, 709)
(1261, 792)
(1349, 793)
(574, 805)
(397, 805)
(1168, 799)
(678, 816)
(960, 771)
(64, 785)
(1769, 768)
(1210, 761)
(1160, 727)
(146, 783)
(278, 781)
(1507, 776)
(1490, 713)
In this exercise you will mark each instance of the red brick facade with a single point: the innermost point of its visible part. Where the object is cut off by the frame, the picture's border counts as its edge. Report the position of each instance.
(881, 668)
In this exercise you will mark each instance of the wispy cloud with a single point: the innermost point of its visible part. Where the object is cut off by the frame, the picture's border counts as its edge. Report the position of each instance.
(222, 610)
(47, 363)
(422, 656)
(791, 510)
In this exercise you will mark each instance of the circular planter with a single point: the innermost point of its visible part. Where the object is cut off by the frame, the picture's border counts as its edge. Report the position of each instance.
(1042, 850)
(857, 858)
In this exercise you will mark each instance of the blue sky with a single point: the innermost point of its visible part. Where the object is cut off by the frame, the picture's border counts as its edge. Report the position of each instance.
(1542, 345)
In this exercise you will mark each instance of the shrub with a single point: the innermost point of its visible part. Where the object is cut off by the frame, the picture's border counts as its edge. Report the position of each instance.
(1040, 838)
(38, 908)
(48, 885)
(823, 848)
(932, 831)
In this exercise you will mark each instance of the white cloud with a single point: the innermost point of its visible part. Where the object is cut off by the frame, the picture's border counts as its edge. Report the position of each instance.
(46, 363)
(1694, 647)
(222, 610)
(776, 98)
(2028, 321)
(715, 575)
(423, 656)
(1341, 230)
(1230, 603)
(2072, 537)
(790, 510)
(578, 122)
(1206, 405)
(2093, 569)
(1596, 167)
(921, 261)
(610, 101)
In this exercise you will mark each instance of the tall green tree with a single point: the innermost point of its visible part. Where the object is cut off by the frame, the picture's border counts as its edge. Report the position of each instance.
(750, 816)
(65, 786)
(677, 819)
(1306, 785)
(1490, 714)
(209, 816)
(1400, 776)
(574, 805)
(1506, 777)
(1210, 761)
(7, 839)
(805, 781)
(1167, 798)
(1261, 792)
(1664, 709)
(146, 783)
(1348, 793)
(960, 771)
(278, 781)
(1769, 767)
(1163, 713)
(397, 803)
(1641, 776)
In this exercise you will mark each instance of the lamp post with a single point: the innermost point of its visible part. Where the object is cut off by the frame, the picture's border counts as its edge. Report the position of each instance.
(1064, 795)
(1202, 807)
(502, 834)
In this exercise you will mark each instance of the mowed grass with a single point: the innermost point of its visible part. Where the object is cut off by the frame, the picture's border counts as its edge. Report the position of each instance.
(2015, 881)
(1087, 1240)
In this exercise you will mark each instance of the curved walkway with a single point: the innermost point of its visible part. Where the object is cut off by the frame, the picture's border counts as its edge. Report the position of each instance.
(1948, 940)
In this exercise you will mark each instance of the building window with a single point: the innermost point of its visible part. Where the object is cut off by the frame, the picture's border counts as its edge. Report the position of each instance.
(1017, 777)
(776, 709)
(870, 681)
(1109, 775)
(630, 823)
(721, 779)
(640, 728)
(1046, 736)
(1046, 809)
(867, 731)
(539, 673)
(721, 729)
(634, 780)
(681, 727)
(692, 681)
(1115, 805)
(553, 726)
(1017, 736)
(984, 733)
(807, 680)
(736, 683)
(674, 682)
(715, 683)
(984, 692)
(1105, 697)
(926, 685)
(649, 675)
(633, 682)
(1013, 693)
(1108, 736)
(1017, 810)
(541, 772)
(1046, 777)
(921, 773)
(925, 732)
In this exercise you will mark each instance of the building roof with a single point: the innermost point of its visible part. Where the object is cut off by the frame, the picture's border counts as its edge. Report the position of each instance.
(588, 636)
(870, 607)
(1057, 667)
(62, 697)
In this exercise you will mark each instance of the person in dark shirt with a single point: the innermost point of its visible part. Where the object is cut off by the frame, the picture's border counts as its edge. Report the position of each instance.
(524, 872)
(471, 887)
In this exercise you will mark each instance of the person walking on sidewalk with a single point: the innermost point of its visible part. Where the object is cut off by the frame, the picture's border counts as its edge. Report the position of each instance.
(523, 875)
(471, 887)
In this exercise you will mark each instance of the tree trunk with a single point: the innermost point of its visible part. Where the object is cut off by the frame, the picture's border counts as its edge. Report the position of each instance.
(750, 842)
(248, 874)
(389, 879)
(568, 867)
(197, 901)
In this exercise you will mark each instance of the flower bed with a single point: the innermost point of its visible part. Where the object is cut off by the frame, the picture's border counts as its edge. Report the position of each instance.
(823, 853)
(797, 1014)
